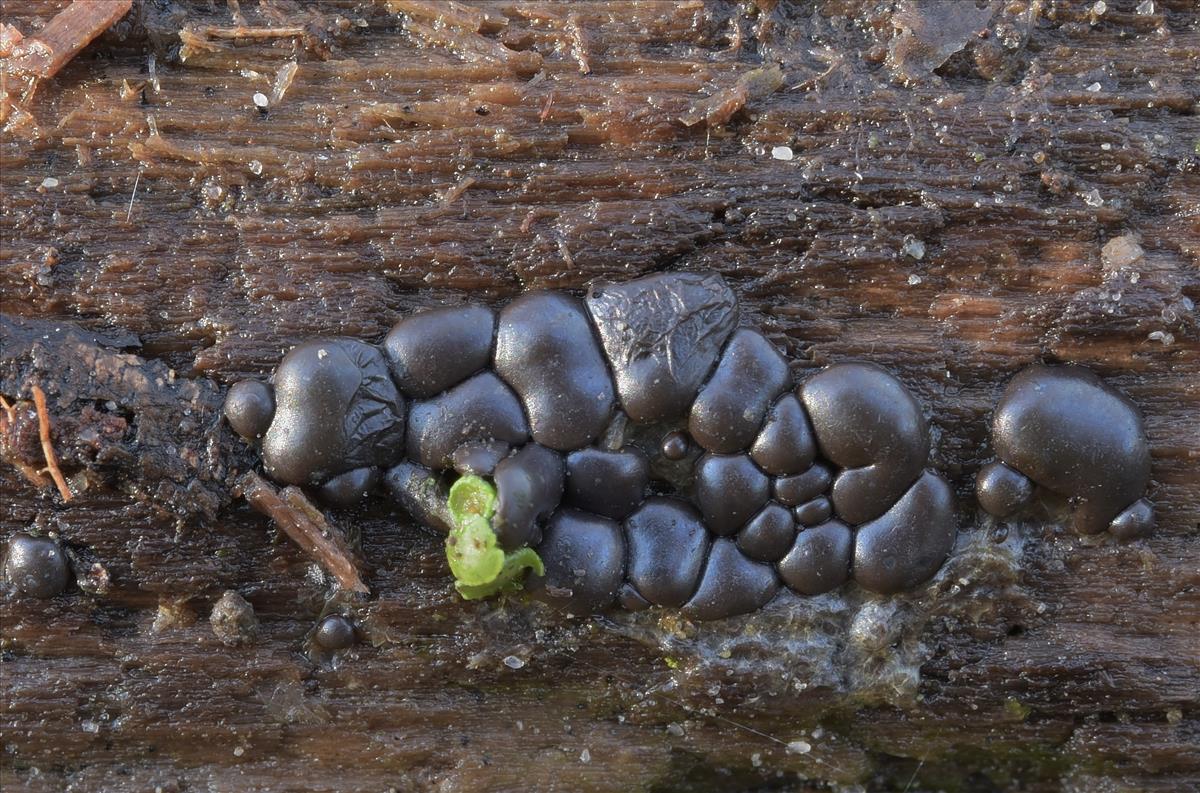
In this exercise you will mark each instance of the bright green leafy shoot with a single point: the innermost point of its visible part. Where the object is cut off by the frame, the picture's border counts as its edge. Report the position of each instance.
(480, 566)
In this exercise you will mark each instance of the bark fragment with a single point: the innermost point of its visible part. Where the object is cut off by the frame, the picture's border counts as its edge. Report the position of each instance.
(27, 61)
(307, 526)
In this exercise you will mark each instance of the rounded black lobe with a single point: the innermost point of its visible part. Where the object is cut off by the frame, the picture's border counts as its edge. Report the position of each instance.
(819, 560)
(608, 483)
(337, 409)
(1074, 435)
(730, 490)
(631, 600)
(667, 546)
(249, 407)
(335, 632)
(547, 352)
(1002, 491)
(813, 512)
(768, 535)
(661, 335)
(478, 457)
(906, 545)
(433, 350)
(348, 489)
(1135, 522)
(868, 423)
(785, 445)
(728, 412)
(731, 585)
(800, 488)
(675, 445)
(482, 408)
(529, 485)
(584, 557)
(422, 494)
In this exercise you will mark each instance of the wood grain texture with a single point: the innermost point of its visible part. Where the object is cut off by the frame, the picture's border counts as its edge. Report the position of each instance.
(949, 184)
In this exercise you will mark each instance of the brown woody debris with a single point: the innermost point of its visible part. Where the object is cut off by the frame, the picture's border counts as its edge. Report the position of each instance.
(306, 526)
(579, 43)
(208, 38)
(12, 422)
(63, 37)
(720, 107)
(39, 399)
(453, 194)
(450, 14)
(30, 60)
(474, 48)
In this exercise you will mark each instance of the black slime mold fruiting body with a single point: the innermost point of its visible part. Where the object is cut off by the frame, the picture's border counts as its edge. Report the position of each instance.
(1062, 429)
(651, 452)
(36, 566)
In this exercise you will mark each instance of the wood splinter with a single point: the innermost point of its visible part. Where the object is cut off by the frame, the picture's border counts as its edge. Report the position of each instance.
(30, 60)
(8, 423)
(39, 400)
(306, 526)
(457, 190)
(10, 415)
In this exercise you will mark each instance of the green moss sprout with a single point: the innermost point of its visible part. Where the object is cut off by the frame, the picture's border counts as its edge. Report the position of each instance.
(480, 566)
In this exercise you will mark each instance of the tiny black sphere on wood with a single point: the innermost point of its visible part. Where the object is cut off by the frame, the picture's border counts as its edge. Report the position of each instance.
(249, 408)
(335, 632)
(36, 566)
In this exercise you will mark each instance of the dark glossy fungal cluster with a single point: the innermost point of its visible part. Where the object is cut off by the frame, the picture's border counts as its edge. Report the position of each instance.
(1062, 430)
(648, 449)
(653, 453)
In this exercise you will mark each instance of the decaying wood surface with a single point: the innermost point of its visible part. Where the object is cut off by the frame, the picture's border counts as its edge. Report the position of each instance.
(950, 189)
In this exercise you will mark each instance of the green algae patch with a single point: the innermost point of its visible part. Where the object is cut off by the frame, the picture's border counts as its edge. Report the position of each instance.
(1016, 710)
(480, 566)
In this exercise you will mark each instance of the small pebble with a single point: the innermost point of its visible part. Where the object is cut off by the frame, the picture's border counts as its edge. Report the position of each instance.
(513, 662)
(1121, 252)
(913, 248)
(782, 153)
(233, 619)
(261, 101)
